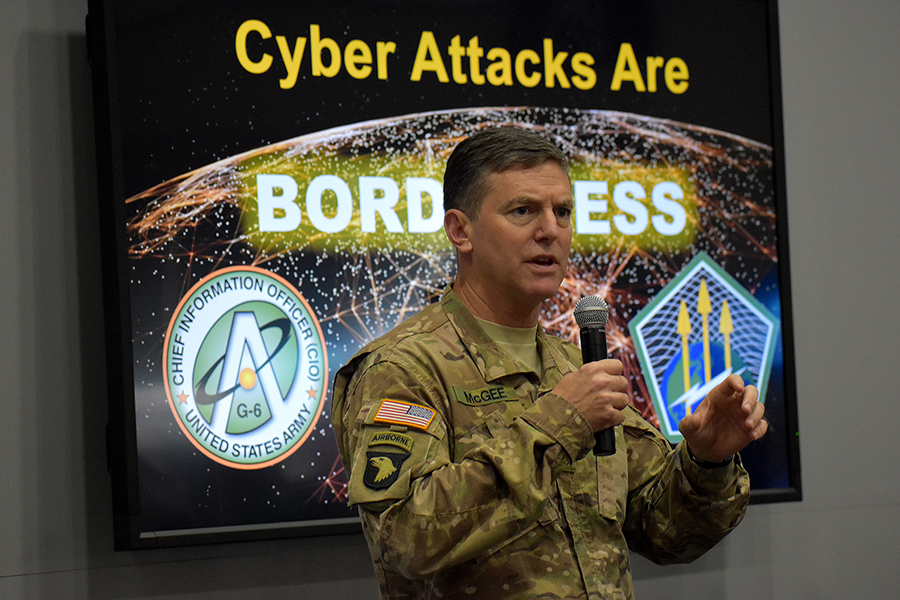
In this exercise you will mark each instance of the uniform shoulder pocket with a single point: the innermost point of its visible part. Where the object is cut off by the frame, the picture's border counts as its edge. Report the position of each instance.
(398, 441)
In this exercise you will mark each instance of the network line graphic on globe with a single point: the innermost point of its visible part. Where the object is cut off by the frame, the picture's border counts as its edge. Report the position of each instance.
(361, 283)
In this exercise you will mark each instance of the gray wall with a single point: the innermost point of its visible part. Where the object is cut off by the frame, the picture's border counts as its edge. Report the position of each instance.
(842, 126)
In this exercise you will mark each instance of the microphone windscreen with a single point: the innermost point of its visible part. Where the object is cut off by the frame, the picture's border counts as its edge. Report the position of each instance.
(591, 311)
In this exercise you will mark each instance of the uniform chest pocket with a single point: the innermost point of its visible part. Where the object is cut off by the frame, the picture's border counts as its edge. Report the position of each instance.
(498, 421)
(482, 424)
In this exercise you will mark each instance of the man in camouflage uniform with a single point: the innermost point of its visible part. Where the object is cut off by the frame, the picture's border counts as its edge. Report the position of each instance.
(467, 431)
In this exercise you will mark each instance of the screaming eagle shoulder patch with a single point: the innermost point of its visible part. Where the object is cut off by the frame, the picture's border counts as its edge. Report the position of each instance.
(382, 469)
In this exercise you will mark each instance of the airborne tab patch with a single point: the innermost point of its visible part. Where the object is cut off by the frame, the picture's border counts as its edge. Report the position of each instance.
(397, 412)
(392, 438)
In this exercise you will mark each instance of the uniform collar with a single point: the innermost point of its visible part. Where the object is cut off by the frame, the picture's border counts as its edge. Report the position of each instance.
(491, 360)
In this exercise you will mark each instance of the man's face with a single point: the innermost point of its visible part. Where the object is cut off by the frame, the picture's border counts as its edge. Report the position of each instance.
(521, 239)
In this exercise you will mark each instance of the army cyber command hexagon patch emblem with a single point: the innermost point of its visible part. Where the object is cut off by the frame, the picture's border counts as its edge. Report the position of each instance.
(246, 367)
(698, 330)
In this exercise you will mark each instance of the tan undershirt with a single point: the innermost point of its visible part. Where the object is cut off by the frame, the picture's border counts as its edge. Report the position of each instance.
(520, 343)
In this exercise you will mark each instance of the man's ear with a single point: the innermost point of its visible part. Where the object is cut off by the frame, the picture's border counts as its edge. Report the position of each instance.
(459, 230)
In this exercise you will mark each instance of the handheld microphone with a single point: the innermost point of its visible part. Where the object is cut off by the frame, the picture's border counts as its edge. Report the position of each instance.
(591, 314)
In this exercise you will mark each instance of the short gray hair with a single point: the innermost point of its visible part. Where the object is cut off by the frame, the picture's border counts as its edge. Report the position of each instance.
(490, 151)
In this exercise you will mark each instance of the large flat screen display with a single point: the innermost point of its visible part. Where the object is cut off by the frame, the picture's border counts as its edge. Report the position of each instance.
(271, 179)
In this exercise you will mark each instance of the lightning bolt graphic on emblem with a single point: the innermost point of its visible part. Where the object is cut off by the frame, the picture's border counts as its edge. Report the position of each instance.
(698, 392)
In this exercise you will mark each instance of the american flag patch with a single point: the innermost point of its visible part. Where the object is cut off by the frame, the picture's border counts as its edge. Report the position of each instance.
(404, 413)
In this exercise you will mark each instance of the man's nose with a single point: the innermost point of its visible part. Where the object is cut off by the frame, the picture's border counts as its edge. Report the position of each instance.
(548, 226)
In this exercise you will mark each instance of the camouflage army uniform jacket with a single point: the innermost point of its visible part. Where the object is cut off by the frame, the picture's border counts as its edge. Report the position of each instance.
(474, 480)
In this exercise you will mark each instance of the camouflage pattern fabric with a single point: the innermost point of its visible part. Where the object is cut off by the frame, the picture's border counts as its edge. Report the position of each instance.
(473, 480)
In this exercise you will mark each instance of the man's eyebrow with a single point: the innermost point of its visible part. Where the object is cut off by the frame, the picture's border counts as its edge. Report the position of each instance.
(523, 199)
(569, 202)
